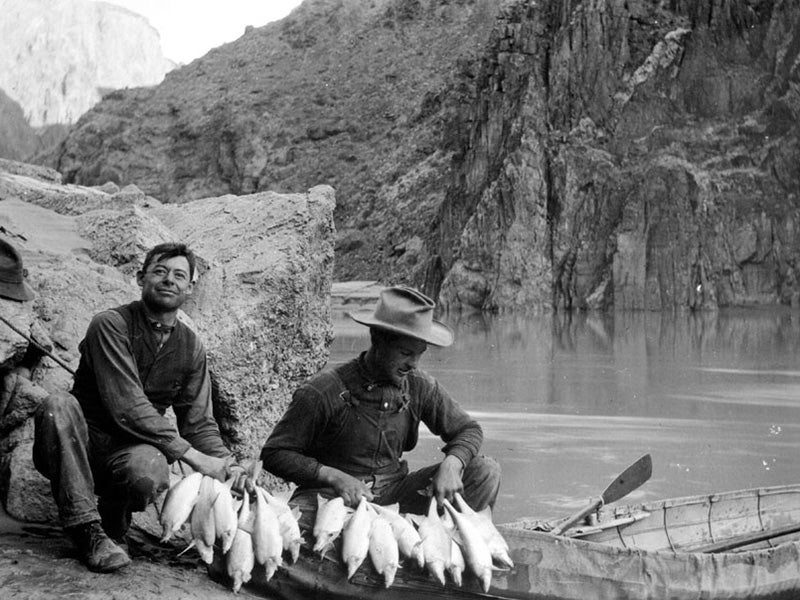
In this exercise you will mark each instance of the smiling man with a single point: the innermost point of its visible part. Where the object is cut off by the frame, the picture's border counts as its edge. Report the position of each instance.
(346, 429)
(111, 437)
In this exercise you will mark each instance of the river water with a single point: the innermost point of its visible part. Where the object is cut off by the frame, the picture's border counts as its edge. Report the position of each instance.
(567, 402)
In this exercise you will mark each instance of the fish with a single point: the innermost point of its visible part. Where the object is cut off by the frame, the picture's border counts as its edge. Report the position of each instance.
(240, 559)
(355, 537)
(383, 549)
(178, 504)
(476, 552)
(267, 541)
(435, 542)
(202, 520)
(408, 540)
(456, 565)
(225, 518)
(288, 519)
(483, 520)
(244, 519)
(329, 522)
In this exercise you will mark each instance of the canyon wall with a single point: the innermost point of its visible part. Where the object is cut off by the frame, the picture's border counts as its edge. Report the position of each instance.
(517, 155)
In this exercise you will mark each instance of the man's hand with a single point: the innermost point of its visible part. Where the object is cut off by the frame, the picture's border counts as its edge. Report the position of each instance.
(213, 466)
(347, 486)
(447, 480)
(242, 482)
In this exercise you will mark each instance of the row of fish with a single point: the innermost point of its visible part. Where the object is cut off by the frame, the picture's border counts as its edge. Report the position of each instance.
(247, 532)
(450, 543)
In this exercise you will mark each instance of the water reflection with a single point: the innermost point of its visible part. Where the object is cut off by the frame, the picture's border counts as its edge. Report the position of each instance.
(568, 401)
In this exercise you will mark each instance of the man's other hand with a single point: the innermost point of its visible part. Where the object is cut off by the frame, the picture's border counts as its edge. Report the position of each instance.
(346, 486)
(447, 480)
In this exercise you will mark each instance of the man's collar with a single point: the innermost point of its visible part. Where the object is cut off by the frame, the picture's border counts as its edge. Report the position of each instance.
(371, 378)
(154, 323)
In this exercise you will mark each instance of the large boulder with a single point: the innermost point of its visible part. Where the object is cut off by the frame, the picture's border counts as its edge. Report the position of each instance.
(261, 305)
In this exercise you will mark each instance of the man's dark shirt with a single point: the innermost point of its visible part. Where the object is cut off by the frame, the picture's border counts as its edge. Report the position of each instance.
(344, 418)
(125, 383)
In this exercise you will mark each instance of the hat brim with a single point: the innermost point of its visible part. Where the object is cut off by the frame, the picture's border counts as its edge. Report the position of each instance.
(439, 335)
(21, 292)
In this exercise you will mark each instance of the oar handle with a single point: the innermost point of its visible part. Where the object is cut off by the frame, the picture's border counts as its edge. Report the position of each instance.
(595, 504)
(747, 539)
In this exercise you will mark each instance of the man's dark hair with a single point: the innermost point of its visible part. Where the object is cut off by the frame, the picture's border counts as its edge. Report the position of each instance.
(378, 335)
(170, 250)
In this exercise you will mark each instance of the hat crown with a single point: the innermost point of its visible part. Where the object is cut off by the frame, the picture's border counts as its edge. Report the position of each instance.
(406, 311)
(405, 306)
(12, 274)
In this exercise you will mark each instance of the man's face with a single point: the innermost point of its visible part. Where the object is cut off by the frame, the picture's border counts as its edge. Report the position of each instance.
(397, 357)
(166, 284)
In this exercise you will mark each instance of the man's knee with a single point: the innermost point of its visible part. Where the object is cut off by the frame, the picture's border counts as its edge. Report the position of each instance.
(58, 418)
(148, 475)
(481, 482)
(58, 410)
(485, 470)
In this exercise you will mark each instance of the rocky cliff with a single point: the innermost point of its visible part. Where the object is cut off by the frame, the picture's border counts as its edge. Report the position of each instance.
(341, 92)
(57, 58)
(568, 154)
(262, 303)
(635, 155)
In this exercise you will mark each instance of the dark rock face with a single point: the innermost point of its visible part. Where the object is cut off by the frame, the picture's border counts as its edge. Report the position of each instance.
(570, 155)
(628, 156)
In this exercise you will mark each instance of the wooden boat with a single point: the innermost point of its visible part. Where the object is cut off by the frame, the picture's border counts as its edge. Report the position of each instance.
(740, 544)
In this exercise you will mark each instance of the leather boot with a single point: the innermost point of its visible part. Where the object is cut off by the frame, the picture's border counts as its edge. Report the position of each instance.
(97, 550)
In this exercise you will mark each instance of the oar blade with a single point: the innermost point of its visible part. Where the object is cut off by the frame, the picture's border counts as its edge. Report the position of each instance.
(630, 479)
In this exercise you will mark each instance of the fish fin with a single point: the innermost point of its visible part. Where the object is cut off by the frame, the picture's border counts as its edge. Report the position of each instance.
(393, 507)
(253, 470)
(287, 493)
(486, 513)
(192, 544)
(321, 501)
(295, 512)
(415, 519)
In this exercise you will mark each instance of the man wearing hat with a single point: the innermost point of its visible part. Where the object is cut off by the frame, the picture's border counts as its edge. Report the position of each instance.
(15, 372)
(345, 430)
(12, 275)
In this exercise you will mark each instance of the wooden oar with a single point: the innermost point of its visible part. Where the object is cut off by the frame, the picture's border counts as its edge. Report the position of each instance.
(747, 539)
(630, 479)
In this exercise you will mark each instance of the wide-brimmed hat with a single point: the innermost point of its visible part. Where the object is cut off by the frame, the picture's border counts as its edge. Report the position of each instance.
(406, 311)
(12, 275)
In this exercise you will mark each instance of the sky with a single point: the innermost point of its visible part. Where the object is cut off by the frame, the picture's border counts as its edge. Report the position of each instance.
(190, 28)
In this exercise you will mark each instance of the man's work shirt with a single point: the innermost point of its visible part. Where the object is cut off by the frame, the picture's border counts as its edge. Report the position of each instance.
(344, 418)
(126, 381)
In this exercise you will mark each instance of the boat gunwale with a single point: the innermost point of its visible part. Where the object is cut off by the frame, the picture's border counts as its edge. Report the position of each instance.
(518, 527)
